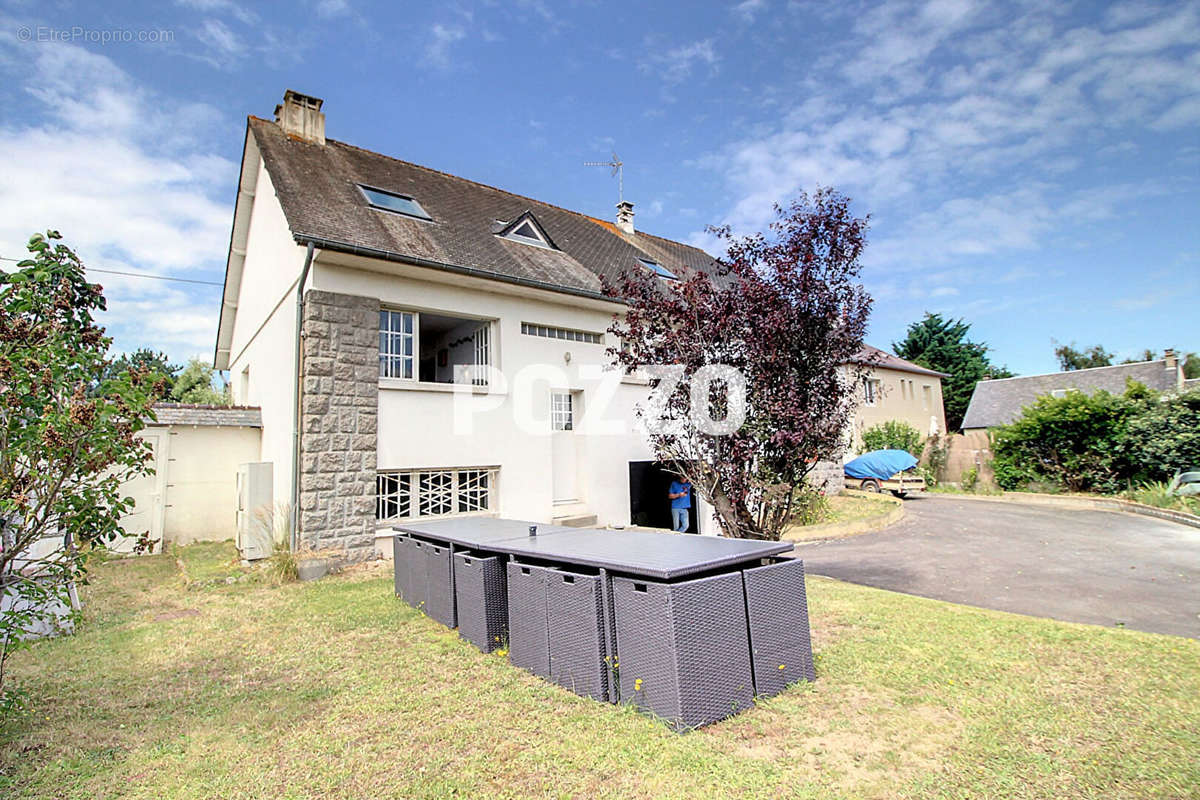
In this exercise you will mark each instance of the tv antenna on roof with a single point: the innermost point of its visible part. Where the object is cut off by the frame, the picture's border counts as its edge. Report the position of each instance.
(616, 164)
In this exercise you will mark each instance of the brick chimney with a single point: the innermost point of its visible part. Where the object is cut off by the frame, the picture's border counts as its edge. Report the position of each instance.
(625, 216)
(300, 116)
(1170, 357)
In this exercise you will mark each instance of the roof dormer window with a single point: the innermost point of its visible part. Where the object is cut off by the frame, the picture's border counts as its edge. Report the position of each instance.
(396, 203)
(658, 269)
(525, 229)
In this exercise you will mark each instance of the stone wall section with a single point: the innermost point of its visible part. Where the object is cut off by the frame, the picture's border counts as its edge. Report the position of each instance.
(828, 477)
(339, 417)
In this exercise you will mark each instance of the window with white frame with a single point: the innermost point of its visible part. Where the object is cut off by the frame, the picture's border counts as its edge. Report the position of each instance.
(870, 391)
(413, 494)
(434, 348)
(397, 335)
(393, 495)
(562, 412)
(566, 334)
(483, 354)
(528, 231)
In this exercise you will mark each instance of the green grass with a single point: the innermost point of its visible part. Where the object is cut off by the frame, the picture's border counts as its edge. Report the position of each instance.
(946, 488)
(1158, 494)
(858, 507)
(196, 687)
(844, 514)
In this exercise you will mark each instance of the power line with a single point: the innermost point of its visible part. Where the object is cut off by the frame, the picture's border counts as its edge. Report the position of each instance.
(139, 275)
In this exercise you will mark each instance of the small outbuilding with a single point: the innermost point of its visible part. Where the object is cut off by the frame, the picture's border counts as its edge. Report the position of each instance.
(192, 494)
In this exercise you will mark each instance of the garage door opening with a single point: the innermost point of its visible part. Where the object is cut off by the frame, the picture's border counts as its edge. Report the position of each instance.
(649, 506)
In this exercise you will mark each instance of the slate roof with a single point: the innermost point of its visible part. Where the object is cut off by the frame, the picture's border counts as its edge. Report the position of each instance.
(999, 401)
(317, 186)
(196, 414)
(1191, 384)
(882, 358)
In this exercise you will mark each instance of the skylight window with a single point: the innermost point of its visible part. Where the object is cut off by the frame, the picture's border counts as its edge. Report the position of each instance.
(396, 203)
(658, 269)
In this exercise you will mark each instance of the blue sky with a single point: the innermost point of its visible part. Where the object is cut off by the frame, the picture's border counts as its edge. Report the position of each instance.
(1034, 170)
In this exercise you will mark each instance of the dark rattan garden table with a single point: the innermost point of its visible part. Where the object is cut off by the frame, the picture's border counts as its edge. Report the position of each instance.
(703, 623)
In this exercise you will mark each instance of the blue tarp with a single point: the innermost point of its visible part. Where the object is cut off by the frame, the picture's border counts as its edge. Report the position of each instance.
(881, 464)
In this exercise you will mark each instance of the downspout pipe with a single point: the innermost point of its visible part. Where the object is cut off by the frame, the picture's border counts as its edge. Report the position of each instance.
(295, 501)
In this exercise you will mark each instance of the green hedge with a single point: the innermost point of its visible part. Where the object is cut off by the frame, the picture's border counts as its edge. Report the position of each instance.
(892, 435)
(1100, 442)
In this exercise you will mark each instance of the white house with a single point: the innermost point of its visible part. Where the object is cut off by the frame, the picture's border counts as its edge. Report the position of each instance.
(357, 283)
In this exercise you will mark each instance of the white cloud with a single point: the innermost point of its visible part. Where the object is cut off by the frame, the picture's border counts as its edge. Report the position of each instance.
(229, 34)
(224, 43)
(332, 8)
(1185, 113)
(105, 167)
(234, 9)
(441, 39)
(958, 124)
(747, 10)
(677, 64)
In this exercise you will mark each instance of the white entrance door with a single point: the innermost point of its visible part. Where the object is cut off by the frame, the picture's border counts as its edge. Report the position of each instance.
(148, 493)
(563, 411)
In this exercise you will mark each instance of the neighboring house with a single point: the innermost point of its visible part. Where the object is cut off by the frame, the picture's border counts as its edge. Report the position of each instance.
(1000, 401)
(895, 389)
(392, 275)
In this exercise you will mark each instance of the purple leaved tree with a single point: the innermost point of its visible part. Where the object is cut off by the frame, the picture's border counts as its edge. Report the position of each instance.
(787, 311)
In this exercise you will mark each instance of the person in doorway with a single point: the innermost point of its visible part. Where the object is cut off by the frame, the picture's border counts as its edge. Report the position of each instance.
(680, 495)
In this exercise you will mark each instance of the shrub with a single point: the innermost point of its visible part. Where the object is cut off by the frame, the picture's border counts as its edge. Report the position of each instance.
(276, 523)
(69, 428)
(937, 455)
(894, 434)
(1100, 442)
(970, 477)
(281, 565)
(1162, 438)
(1159, 495)
(810, 506)
(1071, 441)
(1154, 493)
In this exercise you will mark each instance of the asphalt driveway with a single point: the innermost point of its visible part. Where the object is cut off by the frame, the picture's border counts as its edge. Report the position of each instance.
(1099, 567)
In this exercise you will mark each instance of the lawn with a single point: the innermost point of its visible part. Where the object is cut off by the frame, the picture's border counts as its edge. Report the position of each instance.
(858, 506)
(848, 513)
(182, 684)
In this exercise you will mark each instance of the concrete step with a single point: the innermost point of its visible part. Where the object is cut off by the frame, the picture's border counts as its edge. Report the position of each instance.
(575, 520)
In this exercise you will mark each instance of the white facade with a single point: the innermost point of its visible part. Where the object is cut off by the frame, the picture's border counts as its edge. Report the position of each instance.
(510, 427)
(262, 351)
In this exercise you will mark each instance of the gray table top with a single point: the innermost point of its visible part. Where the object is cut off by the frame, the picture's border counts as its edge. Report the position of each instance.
(478, 532)
(655, 555)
